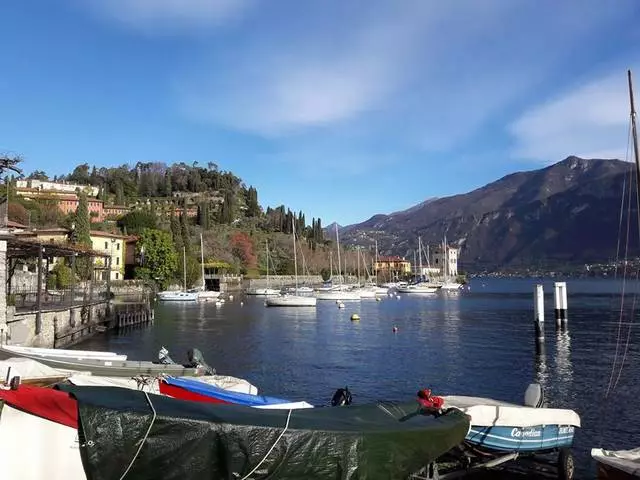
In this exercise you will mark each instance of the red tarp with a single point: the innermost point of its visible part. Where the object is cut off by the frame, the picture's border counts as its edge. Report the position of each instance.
(46, 403)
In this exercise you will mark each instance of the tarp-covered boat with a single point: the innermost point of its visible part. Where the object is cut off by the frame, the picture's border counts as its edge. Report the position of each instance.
(193, 390)
(160, 437)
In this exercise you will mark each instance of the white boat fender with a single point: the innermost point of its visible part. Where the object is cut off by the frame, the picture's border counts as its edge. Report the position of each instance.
(340, 305)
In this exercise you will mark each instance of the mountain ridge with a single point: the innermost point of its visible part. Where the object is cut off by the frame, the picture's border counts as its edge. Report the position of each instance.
(520, 219)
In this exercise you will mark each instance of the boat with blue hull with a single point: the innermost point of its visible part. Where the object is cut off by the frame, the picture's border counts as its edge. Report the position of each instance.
(501, 432)
(522, 439)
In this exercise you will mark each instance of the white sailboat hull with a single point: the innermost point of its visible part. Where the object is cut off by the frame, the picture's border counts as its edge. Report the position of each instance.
(417, 289)
(208, 295)
(178, 296)
(290, 301)
(263, 291)
(451, 286)
(339, 295)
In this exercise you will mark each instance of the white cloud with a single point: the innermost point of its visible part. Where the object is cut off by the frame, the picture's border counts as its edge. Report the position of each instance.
(590, 121)
(158, 16)
(424, 73)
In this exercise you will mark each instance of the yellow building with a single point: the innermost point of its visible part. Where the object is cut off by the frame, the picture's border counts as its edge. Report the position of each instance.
(112, 245)
(395, 265)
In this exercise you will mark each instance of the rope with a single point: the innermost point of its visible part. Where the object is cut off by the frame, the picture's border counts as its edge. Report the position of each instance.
(286, 426)
(635, 295)
(624, 271)
(146, 435)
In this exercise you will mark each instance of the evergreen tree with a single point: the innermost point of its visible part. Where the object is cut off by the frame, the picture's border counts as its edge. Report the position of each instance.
(203, 215)
(184, 230)
(119, 193)
(82, 222)
(167, 184)
(253, 208)
(176, 231)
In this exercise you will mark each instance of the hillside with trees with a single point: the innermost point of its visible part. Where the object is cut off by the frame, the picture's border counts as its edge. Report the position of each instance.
(170, 206)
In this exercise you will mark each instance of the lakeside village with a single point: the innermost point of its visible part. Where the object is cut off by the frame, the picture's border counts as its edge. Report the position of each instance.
(67, 253)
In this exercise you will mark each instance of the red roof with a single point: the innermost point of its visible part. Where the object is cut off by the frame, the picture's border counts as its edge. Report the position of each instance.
(394, 258)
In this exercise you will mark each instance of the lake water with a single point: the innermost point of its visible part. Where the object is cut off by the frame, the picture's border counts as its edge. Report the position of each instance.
(478, 342)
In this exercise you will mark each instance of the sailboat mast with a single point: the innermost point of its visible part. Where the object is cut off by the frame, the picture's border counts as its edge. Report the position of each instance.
(295, 257)
(184, 268)
(420, 256)
(633, 128)
(339, 265)
(204, 283)
(358, 255)
(266, 243)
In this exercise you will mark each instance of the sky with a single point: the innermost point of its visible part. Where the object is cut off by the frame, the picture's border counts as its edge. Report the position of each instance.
(340, 108)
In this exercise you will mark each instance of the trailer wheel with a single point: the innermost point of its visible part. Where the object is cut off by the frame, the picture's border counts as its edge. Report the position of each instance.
(566, 464)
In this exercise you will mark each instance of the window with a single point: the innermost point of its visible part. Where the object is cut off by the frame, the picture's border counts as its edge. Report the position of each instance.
(117, 245)
(117, 260)
(106, 245)
(117, 275)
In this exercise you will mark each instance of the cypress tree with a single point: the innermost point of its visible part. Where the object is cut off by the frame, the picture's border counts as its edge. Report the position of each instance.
(82, 222)
(176, 231)
(184, 230)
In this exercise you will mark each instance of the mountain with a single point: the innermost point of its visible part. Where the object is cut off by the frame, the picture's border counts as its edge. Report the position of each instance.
(567, 213)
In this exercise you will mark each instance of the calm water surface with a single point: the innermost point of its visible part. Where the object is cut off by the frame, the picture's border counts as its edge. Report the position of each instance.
(478, 342)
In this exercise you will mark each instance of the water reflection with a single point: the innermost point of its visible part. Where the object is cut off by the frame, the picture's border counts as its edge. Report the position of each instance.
(563, 365)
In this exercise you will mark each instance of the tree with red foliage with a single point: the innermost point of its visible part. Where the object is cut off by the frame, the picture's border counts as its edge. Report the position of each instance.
(17, 213)
(242, 248)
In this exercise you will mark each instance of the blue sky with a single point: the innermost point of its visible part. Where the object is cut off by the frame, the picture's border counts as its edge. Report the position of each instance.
(341, 108)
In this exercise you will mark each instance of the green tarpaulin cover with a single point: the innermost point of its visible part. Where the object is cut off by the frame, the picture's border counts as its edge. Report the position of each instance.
(195, 441)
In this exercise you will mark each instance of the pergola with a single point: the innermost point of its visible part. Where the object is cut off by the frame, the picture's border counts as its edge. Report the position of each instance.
(32, 248)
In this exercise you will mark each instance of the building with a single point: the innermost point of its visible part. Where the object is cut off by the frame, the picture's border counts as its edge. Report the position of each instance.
(56, 187)
(392, 267)
(66, 202)
(113, 245)
(113, 212)
(439, 256)
(109, 243)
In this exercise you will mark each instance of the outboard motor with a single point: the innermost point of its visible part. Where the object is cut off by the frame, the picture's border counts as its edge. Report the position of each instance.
(534, 396)
(341, 398)
(196, 360)
(163, 356)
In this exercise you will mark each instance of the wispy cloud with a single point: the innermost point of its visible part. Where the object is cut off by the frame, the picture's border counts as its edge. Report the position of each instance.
(590, 120)
(426, 73)
(161, 16)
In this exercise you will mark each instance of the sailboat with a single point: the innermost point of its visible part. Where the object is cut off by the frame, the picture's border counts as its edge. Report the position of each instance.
(180, 296)
(419, 287)
(203, 293)
(622, 464)
(267, 290)
(339, 293)
(292, 300)
(449, 282)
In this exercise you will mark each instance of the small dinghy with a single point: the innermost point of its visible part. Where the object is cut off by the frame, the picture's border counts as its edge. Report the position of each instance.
(501, 432)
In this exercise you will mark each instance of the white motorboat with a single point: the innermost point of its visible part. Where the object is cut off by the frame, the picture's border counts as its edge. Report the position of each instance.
(417, 288)
(617, 464)
(177, 296)
(35, 352)
(451, 286)
(152, 384)
(263, 292)
(291, 301)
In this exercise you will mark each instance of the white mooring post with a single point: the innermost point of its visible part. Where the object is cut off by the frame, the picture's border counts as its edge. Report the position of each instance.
(538, 302)
(560, 297)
